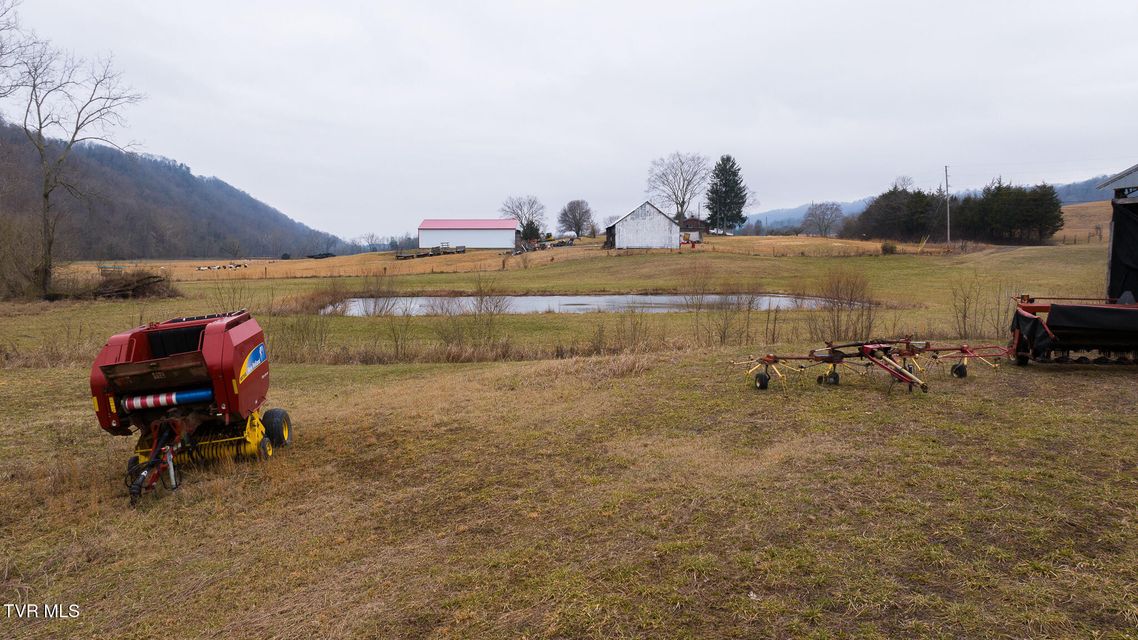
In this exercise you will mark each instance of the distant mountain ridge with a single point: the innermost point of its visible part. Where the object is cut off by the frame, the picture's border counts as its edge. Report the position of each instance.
(1070, 193)
(140, 206)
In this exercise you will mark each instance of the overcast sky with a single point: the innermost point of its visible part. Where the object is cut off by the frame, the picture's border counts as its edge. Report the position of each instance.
(358, 117)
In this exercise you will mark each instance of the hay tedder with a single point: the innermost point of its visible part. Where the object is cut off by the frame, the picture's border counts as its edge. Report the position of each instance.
(193, 389)
(904, 360)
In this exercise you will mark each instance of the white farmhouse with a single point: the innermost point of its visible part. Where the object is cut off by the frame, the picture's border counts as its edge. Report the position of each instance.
(645, 227)
(486, 233)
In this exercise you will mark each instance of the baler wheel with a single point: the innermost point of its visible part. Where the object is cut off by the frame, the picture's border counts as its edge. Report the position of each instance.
(278, 427)
(265, 449)
(133, 468)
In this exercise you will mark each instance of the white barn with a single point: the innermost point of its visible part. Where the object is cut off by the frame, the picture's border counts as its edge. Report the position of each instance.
(487, 233)
(645, 227)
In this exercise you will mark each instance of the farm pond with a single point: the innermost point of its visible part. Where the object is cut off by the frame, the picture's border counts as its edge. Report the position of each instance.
(650, 303)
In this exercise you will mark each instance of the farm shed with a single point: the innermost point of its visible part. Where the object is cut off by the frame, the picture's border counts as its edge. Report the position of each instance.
(486, 233)
(694, 229)
(1122, 259)
(645, 227)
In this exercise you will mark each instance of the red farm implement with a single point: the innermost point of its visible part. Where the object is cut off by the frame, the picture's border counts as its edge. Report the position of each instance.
(1080, 331)
(193, 389)
(904, 361)
(1090, 330)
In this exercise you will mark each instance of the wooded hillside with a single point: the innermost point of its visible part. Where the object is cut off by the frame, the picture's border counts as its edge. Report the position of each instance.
(141, 206)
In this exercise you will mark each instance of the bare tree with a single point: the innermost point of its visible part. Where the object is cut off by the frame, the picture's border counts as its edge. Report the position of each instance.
(231, 247)
(903, 183)
(524, 209)
(576, 217)
(11, 48)
(822, 218)
(371, 242)
(677, 180)
(69, 102)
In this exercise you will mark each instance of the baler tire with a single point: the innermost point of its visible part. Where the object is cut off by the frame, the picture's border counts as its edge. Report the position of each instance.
(264, 449)
(133, 468)
(278, 427)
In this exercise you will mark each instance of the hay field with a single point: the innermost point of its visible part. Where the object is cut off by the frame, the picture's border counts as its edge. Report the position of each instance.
(368, 264)
(1080, 220)
(649, 493)
(628, 496)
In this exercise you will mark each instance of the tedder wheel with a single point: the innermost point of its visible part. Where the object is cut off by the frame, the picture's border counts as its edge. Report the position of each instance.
(278, 427)
(762, 380)
(821, 379)
(959, 370)
(833, 378)
(1021, 360)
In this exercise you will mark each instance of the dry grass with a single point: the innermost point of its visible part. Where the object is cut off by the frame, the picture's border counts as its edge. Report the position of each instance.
(364, 264)
(1081, 220)
(590, 498)
(369, 264)
(809, 246)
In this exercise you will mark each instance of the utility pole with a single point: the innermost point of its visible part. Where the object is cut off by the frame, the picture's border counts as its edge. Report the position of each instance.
(947, 209)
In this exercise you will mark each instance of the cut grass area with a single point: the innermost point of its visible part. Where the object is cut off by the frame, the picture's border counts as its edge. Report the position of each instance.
(635, 496)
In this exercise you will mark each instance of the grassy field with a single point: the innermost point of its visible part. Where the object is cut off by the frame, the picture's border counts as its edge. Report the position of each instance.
(917, 291)
(633, 496)
(367, 264)
(648, 492)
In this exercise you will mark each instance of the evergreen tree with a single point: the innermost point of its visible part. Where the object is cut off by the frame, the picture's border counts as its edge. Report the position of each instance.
(530, 231)
(726, 195)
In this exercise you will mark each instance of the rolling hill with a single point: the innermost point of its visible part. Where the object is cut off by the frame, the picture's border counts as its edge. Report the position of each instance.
(144, 206)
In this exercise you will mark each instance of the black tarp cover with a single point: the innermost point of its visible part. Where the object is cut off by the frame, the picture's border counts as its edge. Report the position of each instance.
(1034, 338)
(1078, 327)
(1123, 251)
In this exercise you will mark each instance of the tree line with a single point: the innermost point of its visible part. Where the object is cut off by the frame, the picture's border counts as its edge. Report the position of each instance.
(1000, 213)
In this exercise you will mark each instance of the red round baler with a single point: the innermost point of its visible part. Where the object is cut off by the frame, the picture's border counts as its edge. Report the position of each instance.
(193, 389)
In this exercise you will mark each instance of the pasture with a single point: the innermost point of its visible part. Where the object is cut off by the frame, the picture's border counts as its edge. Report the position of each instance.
(527, 482)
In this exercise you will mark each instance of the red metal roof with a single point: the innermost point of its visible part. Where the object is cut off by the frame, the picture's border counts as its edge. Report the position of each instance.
(480, 223)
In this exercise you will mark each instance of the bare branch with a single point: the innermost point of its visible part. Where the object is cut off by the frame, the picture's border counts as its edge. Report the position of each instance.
(69, 102)
(12, 46)
(524, 209)
(576, 216)
(677, 180)
(822, 218)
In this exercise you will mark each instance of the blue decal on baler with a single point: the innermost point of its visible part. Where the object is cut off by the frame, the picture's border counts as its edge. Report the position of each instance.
(256, 358)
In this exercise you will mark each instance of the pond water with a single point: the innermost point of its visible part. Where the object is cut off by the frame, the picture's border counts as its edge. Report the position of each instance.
(651, 303)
